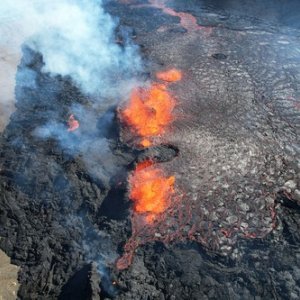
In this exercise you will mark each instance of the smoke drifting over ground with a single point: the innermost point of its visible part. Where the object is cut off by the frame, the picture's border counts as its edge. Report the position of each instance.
(48, 48)
(75, 38)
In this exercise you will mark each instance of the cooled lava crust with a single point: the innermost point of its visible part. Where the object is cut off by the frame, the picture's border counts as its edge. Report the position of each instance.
(235, 151)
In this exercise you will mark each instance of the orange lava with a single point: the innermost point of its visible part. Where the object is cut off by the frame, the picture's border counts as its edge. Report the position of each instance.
(72, 123)
(170, 75)
(149, 111)
(150, 190)
(145, 143)
(187, 21)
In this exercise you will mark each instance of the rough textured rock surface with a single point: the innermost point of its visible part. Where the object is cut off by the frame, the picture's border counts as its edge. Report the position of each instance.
(235, 154)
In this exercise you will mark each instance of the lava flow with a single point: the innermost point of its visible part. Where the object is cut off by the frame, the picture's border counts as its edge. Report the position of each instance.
(187, 20)
(150, 190)
(72, 123)
(150, 110)
(155, 200)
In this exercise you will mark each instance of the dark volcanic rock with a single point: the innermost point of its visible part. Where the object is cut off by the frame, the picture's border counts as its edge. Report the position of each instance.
(85, 284)
(234, 148)
(219, 56)
(161, 153)
(238, 137)
(50, 196)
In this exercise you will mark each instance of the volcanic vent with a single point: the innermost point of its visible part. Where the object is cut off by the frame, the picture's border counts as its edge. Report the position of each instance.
(202, 207)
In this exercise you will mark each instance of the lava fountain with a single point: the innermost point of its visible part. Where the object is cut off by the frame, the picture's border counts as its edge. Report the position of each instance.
(149, 111)
(155, 199)
(150, 190)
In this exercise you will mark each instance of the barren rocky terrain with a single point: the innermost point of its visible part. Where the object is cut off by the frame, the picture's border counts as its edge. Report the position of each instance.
(234, 150)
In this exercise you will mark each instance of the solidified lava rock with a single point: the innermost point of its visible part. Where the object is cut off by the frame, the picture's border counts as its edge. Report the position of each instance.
(50, 195)
(160, 153)
(219, 56)
(237, 136)
(85, 284)
(238, 140)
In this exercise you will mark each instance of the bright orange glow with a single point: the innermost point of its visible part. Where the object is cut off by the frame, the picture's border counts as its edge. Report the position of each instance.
(72, 123)
(146, 143)
(170, 75)
(150, 190)
(149, 111)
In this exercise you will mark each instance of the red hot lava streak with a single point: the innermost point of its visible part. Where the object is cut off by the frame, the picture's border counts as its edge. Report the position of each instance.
(72, 123)
(187, 21)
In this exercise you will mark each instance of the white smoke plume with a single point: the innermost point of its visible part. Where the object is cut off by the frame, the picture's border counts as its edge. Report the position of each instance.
(76, 39)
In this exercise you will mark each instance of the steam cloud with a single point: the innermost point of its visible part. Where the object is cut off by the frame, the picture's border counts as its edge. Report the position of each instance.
(75, 38)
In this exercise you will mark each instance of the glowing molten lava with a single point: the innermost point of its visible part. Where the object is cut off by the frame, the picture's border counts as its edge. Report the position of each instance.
(72, 123)
(145, 143)
(187, 20)
(170, 76)
(149, 111)
(155, 200)
(150, 190)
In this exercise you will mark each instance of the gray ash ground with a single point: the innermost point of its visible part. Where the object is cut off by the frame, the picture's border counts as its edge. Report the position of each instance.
(238, 161)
